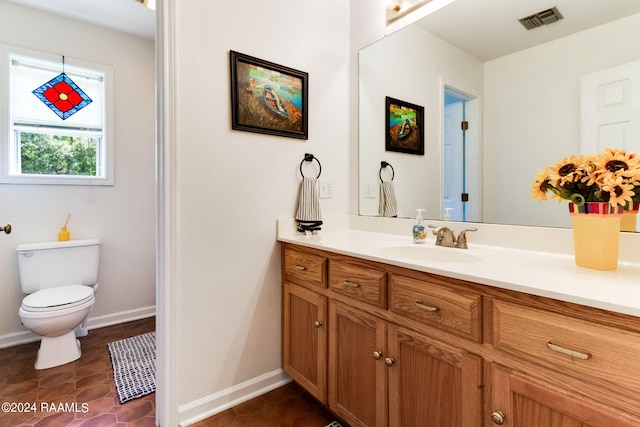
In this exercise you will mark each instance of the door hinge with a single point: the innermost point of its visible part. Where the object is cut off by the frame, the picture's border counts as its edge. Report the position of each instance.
(464, 125)
(464, 197)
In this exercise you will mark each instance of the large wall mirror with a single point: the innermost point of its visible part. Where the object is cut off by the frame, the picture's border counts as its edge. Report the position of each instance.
(518, 89)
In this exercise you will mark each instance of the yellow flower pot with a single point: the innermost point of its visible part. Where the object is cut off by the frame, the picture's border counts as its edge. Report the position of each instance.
(629, 219)
(596, 234)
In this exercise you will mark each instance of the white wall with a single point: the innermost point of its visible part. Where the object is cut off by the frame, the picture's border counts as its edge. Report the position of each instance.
(233, 185)
(532, 115)
(414, 74)
(122, 216)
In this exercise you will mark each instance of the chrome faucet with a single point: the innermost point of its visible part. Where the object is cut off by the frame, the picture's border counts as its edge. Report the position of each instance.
(445, 237)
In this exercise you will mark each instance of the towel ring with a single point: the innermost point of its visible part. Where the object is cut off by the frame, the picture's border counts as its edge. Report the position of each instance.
(308, 158)
(383, 165)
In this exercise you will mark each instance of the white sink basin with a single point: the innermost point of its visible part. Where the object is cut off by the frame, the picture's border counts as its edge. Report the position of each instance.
(430, 253)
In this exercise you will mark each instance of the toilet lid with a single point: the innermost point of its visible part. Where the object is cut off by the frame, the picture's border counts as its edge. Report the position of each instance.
(56, 297)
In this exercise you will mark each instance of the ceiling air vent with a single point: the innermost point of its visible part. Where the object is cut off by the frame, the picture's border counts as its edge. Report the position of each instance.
(539, 19)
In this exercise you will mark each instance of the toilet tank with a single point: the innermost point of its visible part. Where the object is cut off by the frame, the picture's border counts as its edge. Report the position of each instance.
(53, 264)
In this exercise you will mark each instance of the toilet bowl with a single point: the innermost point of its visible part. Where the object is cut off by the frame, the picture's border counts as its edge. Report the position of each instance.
(55, 309)
(54, 314)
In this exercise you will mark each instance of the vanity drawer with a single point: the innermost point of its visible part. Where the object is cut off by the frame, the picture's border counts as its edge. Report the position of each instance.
(585, 349)
(305, 269)
(455, 311)
(359, 281)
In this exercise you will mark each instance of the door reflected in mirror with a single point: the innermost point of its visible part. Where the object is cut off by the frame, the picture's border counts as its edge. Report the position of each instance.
(461, 160)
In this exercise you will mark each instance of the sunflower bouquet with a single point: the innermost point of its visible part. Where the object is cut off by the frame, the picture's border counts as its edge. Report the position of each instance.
(611, 176)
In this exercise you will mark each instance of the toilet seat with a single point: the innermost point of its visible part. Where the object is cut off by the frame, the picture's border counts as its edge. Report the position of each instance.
(60, 298)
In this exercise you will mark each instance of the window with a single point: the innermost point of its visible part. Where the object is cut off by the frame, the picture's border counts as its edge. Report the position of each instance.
(39, 147)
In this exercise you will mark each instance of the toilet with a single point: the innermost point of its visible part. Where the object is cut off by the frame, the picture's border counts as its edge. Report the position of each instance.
(60, 280)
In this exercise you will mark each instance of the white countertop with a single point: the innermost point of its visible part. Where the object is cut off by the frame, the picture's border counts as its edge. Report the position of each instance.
(536, 272)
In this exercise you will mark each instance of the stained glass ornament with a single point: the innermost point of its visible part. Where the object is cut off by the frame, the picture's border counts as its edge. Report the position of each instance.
(62, 96)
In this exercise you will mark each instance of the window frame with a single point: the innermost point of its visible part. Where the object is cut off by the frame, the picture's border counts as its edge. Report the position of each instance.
(8, 143)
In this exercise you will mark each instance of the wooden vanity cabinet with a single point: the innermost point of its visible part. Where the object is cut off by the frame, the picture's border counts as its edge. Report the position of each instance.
(563, 366)
(304, 268)
(387, 346)
(357, 373)
(434, 381)
(433, 302)
(380, 372)
(432, 384)
(521, 400)
(304, 338)
(304, 320)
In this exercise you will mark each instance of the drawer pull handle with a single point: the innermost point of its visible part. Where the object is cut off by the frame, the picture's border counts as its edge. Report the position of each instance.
(568, 352)
(497, 417)
(377, 355)
(425, 307)
(317, 324)
(351, 284)
(389, 361)
(301, 268)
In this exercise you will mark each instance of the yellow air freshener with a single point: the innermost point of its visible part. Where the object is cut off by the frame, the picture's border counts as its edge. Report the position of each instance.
(63, 234)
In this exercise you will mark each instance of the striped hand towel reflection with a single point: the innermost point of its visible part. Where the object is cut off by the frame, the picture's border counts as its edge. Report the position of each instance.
(388, 203)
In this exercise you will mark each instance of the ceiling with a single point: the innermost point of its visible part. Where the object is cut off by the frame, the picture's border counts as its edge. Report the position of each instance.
(489, 29)
(128, 16)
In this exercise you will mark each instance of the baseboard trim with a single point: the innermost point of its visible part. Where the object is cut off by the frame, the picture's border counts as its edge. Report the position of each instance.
(121, 317)
(24, 337)
(215, 403)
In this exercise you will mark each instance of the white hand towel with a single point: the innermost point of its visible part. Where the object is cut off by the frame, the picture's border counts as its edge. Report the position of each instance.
(388, 204)
(309, 216)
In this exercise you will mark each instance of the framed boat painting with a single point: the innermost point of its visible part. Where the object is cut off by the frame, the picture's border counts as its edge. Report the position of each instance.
(404, 127)
(268, 98)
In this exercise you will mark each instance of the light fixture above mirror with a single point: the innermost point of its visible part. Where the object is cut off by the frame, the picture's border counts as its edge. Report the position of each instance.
(151, 4)
(400, 13)
(393, 5)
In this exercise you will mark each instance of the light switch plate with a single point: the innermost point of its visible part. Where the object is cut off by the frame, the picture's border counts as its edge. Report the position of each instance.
(326, 189)
(371, 190)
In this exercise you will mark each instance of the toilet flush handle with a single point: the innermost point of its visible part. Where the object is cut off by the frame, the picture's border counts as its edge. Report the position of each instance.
(27, 254)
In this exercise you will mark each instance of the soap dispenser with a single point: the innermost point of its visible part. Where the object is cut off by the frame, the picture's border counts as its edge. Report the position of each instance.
(419, 233)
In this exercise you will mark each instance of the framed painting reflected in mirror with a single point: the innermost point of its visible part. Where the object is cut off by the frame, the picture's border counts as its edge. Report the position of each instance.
(268, 98)
(404, 126)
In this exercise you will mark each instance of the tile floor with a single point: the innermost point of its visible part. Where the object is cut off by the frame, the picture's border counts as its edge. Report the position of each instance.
(88, 380)
(287, 406)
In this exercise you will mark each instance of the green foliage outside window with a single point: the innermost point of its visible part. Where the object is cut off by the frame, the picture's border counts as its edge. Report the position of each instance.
(57, 155)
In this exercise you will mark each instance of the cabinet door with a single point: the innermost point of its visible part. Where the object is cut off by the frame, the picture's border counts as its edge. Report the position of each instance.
(432, 384)
(522, 401)
(305, 338)
(357, 372)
